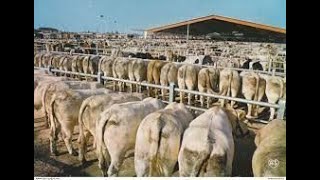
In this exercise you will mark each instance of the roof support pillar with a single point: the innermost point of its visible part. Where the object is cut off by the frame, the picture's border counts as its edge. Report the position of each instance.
(188, 29)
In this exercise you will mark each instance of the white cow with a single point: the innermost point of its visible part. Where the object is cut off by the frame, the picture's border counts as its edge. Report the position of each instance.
(90, 111)
(116, 133)
(208, 146)
(63, 115)
(269, 159)
(158, 140)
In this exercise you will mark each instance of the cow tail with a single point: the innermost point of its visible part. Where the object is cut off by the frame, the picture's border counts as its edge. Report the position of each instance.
(88, 64)
(100, 62)
(44, 106)
(183, 76)
(53, 123)
(155, 168)
(257, 87)
(83, 107)
(229, 83)
(101, 149)
(208, 83)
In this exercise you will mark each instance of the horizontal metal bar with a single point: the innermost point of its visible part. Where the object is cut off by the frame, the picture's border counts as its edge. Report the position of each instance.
(260, 121)
(229, 98)
(189, 107)
(135, 82)
(39, 68)
(75, 73)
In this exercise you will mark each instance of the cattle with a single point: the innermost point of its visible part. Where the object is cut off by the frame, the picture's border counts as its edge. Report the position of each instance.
(39, 78)
(137, 71)
(37, 59)
(74, 65)
(39, 73)
(168, 75)
(106, 66)
(65, 64)
(207, 60)
(257, 66)
(120, 70)
(253, 88)
(143, 55)
(63, 115)
(269, 159)
(229, 83)
(80, 64)
(45, 60)
(187, 79)
(158, 140)
(208, 80)
(54, 87)
(116, 132)
(246, 64)
(90, 65)
(153, 75)
(89, 114)
(207, 147)
(56, 63)
(42, 84)
(50, 61)
(275, 90)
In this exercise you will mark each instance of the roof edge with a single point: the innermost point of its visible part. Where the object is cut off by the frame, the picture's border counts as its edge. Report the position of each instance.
(221, 18)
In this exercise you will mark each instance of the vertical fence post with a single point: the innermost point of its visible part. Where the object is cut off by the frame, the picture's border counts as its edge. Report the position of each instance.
(273, 72)
(97, 52)
(50, 69)
(171, 92)
(99, 78)
(282, 108)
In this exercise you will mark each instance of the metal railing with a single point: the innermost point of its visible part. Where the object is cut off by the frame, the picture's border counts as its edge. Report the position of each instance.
(281, 106)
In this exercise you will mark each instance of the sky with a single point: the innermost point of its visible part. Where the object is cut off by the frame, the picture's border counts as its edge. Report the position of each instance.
(130, 15)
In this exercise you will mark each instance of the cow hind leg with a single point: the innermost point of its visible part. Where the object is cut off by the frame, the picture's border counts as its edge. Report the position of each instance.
(114, 167)
(114, 85)
(208, 102)
(149, 91)
(272, 113)
(68, 129)
(163, 93)
(202, 100)
(181, 97)
(53, 139)
(83, 146)
(139, 88)
(249, 111)
(189, 98)
(156, 92)
(272, 110)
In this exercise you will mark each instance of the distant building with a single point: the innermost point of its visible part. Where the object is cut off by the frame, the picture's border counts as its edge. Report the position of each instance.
(219, 28)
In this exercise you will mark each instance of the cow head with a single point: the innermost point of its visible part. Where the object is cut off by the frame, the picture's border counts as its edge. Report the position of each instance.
(237, 117)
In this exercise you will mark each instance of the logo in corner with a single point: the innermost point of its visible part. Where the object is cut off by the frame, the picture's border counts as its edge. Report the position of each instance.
(273, 163)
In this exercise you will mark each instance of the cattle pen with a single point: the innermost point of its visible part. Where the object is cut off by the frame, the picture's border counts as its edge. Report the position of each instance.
(272, 63)
(280, 106)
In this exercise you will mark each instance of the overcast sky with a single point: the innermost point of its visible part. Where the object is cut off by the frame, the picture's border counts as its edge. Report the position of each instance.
(125, 15)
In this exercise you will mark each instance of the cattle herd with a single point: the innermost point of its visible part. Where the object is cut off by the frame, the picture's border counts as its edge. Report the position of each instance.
(131, 120)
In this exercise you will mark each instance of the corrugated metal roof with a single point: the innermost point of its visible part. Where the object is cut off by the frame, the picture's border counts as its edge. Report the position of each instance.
(220, 18)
